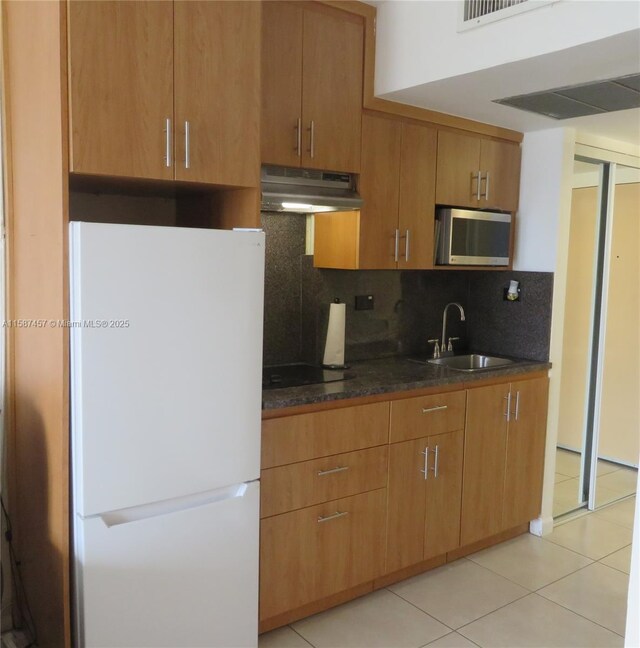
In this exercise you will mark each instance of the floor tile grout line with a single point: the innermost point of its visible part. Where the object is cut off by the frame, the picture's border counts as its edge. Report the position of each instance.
(301, 637)
(573, 573)
(615, 551)
(421, 610)
(579, 614)
(496, 610)
(584, 555)
(573, 551)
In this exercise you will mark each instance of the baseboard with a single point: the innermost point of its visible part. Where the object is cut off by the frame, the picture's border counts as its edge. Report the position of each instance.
(541, 526)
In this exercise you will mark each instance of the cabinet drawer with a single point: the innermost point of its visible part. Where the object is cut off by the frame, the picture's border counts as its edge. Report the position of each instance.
(413, 418)
(320, 434)
(295, 486)
(312, 553)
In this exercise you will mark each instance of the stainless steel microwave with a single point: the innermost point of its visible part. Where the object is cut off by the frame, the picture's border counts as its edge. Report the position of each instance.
(471, 237)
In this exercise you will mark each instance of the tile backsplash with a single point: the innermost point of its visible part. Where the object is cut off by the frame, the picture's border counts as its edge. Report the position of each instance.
(407, 309)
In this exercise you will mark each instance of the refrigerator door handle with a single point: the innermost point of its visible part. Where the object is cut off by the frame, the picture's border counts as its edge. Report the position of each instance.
(174, 505)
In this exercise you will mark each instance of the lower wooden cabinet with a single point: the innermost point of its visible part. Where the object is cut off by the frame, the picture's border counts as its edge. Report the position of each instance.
(503, 457)
(312, 553)
(425, 484)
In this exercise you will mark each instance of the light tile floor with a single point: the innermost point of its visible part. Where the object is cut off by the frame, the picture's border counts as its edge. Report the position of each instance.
(613, 482)
(567, 589)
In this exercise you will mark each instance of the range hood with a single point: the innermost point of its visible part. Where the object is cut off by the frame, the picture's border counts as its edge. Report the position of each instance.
(307, 191)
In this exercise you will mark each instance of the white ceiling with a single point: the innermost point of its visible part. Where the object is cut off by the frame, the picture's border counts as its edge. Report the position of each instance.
(470, 95)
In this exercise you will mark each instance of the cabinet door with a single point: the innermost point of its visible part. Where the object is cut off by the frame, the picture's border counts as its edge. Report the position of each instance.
(217, 92)
(500, 164)
(484, 463)
(120, 88)
(525, 452)
(406, 504)
(281, 83)
(458, 165)
(312, 553)
(417, 196)
(381, 140)
(444, 494)
(333, 51)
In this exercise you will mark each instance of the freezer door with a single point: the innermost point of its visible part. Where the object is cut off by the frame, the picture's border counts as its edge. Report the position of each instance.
(166, 355)
(185, 578)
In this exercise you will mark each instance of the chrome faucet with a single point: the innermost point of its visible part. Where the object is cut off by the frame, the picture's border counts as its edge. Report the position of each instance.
(444, 345)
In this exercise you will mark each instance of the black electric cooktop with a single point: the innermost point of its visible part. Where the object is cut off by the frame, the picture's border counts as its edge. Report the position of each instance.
(294, 375)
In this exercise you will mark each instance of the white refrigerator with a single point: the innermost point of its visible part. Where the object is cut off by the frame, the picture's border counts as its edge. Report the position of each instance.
(166, 355)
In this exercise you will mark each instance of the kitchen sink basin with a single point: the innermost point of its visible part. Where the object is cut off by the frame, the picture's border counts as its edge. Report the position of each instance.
(471, 362)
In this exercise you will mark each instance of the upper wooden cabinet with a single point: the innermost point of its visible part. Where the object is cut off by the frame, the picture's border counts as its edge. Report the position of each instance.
(164, 90)
(120, 87)
(503, 457)
(312, 75)
(395, 227)
(476, 172)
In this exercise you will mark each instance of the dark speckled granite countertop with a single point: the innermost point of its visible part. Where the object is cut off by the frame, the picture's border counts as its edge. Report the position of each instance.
(386, 376)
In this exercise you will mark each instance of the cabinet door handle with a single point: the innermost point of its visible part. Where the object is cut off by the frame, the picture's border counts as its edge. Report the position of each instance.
(187, 145)
(299, 137)
(517, 412)
(406, 246)
(435, 463)
(508, 412)
(486, 188)
(168, 138)
(312, 138)
(478, 187)
(334, 516)
(425, 470)
(396, 249)
(426, 410)
(331, 471)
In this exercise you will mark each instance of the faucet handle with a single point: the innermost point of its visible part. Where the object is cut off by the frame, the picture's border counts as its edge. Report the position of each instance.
(436, 348)
(450, 346)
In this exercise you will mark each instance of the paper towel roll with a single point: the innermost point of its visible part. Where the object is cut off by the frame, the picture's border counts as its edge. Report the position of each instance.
(334, 346)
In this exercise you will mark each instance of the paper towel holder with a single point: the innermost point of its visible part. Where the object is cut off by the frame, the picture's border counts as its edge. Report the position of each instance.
(335, 343)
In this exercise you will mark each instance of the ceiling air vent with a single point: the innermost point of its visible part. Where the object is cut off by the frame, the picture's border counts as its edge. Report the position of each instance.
(592, 98)
(475, 13)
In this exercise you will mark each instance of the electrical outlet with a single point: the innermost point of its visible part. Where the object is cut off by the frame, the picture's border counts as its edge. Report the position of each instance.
(364, 302)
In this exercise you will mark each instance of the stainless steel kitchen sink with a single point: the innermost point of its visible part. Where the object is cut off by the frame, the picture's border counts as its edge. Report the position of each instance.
(471, 362)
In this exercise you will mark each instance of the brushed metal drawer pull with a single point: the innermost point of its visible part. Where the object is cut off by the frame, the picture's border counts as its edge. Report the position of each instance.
(426, 410)
(335, 516)
(425, 471)
(331, 471)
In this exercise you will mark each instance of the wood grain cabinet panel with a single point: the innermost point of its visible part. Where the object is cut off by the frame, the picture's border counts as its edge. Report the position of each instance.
(295, 486)
(315, 552)
(379, 188)
(459, 161)
(217, 92)
(425, 489)
(484, 462)
(312, 67)
(458, 164)
(417, 196)
(503, 457)
(166, 90)
(500, 163)
(525, 452)
(413, 418)
(120, 87)
(395, 227)
(320, 434)
(281, 83)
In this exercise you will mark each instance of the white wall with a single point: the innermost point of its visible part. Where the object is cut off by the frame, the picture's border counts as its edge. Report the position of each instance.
(547, 165)
(417, 41)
